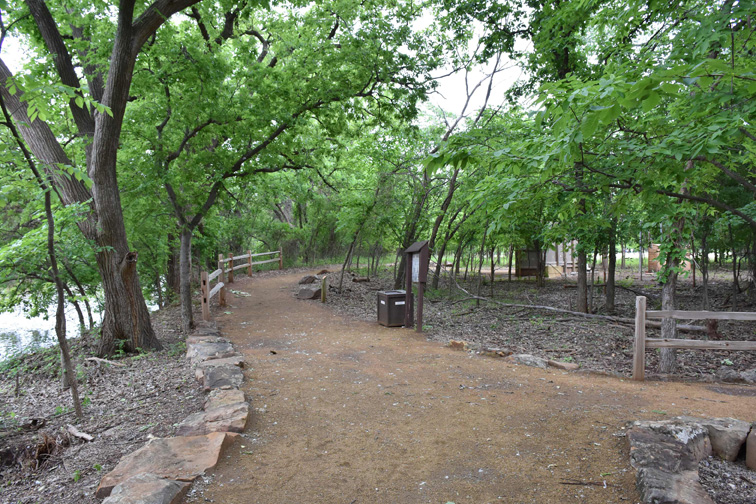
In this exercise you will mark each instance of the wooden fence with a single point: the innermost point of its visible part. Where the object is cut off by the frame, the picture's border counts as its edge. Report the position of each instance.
(225, 275)
(642, 343)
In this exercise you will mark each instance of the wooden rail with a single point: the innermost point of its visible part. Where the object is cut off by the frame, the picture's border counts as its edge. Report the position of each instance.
(642, 343)
(225, 275)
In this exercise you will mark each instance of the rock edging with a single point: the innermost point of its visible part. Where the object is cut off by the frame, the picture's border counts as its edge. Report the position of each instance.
(666, 454)
(162, 471)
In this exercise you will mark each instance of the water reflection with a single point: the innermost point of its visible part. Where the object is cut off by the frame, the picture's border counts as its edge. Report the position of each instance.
(19, 334)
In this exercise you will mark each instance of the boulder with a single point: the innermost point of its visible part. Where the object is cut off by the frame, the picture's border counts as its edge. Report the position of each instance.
(671, 445)
(148, 489)
(528, 360)
(751, 449)
(309, 279)
(727, 435)
(567, 366)
(727, 374)
(180, 459)
(309, 293)
(222, 418)
(222, 377)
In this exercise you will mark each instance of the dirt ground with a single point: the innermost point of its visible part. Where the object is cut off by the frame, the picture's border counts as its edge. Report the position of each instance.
(347, 411)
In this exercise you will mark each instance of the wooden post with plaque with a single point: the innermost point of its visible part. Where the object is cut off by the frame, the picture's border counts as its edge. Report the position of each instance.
(417, 258)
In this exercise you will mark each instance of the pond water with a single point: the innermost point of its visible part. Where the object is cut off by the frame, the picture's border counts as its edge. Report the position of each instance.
(19, 334)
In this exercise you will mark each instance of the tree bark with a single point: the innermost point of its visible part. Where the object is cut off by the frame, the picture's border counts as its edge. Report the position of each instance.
(610, 307)
(582, 281)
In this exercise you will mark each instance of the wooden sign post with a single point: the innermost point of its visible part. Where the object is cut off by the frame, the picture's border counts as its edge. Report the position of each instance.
(417, 258)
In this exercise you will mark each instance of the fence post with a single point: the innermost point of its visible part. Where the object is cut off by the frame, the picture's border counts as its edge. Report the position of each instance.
(639, 347)
(221, 278)
(230, 268)
(203, 295)
(280, 259)
(249, 260)
(323, 290)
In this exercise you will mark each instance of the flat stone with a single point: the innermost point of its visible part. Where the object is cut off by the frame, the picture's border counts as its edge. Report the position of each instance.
(199, 372)
(308, 280)
(196, 338)
(727, 435)
(222, 418)
(567, 366)
(180, 458)
(309, 293)
(219, 397)
(661, 487)
(148, 489)
(751, 449)
(222, 377)
(528, 360)
(207, 351)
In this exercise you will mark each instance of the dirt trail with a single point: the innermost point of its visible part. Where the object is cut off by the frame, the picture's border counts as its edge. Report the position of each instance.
(351, 412)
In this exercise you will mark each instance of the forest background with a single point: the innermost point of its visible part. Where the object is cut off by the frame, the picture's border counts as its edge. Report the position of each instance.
(183, 129)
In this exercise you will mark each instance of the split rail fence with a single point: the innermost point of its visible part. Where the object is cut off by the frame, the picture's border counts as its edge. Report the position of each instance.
(642, 343)
(225, 275)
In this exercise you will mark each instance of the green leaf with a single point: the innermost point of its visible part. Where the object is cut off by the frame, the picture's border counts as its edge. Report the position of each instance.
(589, 125)
(651, 102)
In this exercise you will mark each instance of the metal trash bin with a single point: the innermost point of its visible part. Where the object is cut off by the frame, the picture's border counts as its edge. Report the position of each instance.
(391, 305)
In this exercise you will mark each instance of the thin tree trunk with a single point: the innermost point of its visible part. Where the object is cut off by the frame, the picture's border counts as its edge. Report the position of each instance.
(705, 272)
(480, 262)
(511, 253)
(593, 281)
(185, 286)
(582, 281)
(82, 292)
(69, 377)
(493, 271)
(612, 268)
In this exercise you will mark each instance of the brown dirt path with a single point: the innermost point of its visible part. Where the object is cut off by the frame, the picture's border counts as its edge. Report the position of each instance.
(351, 412)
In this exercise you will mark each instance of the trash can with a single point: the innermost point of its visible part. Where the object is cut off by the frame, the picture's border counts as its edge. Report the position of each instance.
(391, 305)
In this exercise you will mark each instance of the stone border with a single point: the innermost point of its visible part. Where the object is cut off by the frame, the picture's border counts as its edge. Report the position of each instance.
(666, 454)
(162, 471)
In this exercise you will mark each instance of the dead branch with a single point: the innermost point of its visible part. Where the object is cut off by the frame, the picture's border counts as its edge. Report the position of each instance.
(105, 361)
(77, 433)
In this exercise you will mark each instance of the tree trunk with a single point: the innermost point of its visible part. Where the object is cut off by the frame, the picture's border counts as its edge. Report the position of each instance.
(593, 281)
(493, 271)
(173, 273)
(69, 377)
(668, 360)
(185, 280)
(612, 268)
(509, 263)
(582, 281)
(705, 272)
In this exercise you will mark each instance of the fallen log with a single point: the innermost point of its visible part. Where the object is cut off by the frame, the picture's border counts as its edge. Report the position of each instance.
(609, 318)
